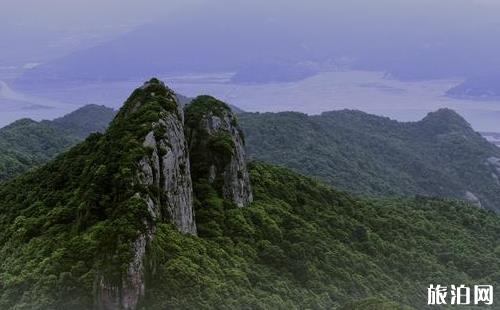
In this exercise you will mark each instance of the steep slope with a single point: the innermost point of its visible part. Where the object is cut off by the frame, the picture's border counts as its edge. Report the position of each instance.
(438, 156)
(216, 147)
(26, 143)
(302, 245)
(157, 181)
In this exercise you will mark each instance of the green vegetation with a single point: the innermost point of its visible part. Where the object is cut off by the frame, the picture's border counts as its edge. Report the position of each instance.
(67, 224)
(201, 106)
(208, 148)
(25, 144)
(366, 154)
(351, 150)
(302, 245)
(299, 245)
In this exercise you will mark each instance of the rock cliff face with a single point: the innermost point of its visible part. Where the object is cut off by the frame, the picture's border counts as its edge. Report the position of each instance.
(217, 149)
(473, 199)
(167, 168)
(494, 163)
(165, 176)
(213, 151)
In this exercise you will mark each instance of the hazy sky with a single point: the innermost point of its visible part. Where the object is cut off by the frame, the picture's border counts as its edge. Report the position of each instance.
(440, 38)
(48, 28)
(45, 15)
(81, 12)
(38, 30)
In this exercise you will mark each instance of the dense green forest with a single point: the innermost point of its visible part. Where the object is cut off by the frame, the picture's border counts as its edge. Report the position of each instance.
(440, 155)
(299, 245)
(25, 143)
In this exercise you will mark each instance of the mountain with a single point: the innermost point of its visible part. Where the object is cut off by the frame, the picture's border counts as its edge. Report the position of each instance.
(161, 212)
(267, 37)
(112, 189)
(27, 143)
(438, 156)
(88, 119)
(485, 86)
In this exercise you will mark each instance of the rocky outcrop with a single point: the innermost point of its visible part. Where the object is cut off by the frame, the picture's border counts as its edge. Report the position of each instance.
(494, 163)
(126, 295)
(473, 199)
(217, 148)
(165, 172)
(168, 169)
(165, 176)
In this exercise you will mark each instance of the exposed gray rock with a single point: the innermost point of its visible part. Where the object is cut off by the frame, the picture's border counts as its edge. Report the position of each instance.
(175, 174)
(236, 178)
(127, 295)
(166, 168)
(472, 198)
(218, 125)
(164, 174)
(496, 178)
(494, 162)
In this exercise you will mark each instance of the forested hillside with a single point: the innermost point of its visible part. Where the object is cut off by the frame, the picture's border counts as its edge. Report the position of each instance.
(27, 143)
(440, 155)
(109, 224)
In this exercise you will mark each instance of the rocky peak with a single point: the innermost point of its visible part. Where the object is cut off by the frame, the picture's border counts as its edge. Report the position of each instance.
(163, 181)
(217, 149)
(154, 115)
(151, 92)
(168, 152)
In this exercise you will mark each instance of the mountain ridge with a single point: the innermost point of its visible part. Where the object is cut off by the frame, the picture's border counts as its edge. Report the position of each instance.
(444, 127)
(441, 155)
